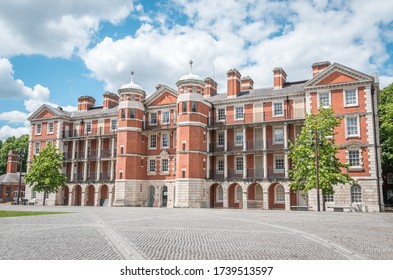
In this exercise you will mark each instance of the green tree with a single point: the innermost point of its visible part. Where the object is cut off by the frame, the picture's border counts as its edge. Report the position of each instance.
(17, 144)
(44, 174)
(385, 113)
(317, 136)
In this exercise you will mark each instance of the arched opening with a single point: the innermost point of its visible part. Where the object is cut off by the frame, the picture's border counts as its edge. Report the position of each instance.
(235, 196)
(216, 196)
(65, 193)
(255, 196)
(76, 195)
(90, 195)
(150, 201)
(164, 200)
(276, 196)
(104, 194)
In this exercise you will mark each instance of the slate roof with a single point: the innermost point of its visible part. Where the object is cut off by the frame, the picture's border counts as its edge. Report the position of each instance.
(11, 179)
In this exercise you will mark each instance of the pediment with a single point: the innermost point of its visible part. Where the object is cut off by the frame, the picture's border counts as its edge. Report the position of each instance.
(163, 96)
(337, 74)
(46, 112)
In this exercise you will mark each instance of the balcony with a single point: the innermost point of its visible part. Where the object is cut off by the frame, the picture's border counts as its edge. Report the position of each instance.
(74, 133)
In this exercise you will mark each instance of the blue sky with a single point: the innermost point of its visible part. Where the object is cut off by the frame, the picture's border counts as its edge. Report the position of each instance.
(54, 52)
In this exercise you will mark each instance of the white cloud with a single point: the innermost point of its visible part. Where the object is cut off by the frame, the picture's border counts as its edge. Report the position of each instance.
(13, 117)
(253, 36)
(55, 28)
(7, 131)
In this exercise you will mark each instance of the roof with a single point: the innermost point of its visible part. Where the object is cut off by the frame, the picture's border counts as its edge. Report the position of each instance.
(95, 112)
(288, 89)
(11, 178)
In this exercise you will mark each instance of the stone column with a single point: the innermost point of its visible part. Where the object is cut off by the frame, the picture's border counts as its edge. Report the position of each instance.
(285, 136)
(208, 167)
(83, 202)
(244, 189)
(99, 148)
(244, 139)
(225, 140)
(112, 177)
(112, 147)
(265, 171)
(265, 205)
(286, 164)
(287, 199)
(73, 149)
(85, 162)
(70, 198)
(98, 169)
(96, 200)
(225, 166)
(110, 198)
(225, 195)
(264, 146)
(208, 141)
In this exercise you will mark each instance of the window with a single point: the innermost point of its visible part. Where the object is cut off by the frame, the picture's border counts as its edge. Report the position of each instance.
(37, 147)
(239, 113)
(132, 113)
(123, 113)
(279, 163)
(328, 197)
(279, 194)
(239, 164)
(153, 141)
(50, 128)
(34, 194)
(351, 97)
(324, 99)
(184, 106)
(220, 138)
(38, 127)
(239, 138)
(153, 118)
(354, 158)
(152, 165)
(278, 135)
(356, 194)
(352, 127)
(193, 106)
(221, 114)
(239, 193)
(220, 165)
(88, 127)
(165, 141)
(165, 117)
(164, 165)
(278, 109)
(113, 125)
(219, 193)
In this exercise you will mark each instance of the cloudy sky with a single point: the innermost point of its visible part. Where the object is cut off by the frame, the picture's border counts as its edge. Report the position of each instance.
(55, 51)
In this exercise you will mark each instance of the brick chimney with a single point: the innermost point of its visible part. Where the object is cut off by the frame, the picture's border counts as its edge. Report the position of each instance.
(110, 100)
(279, 77)
(318, 67)
(247, 83)
(210, 88)
(233, 78)
(12, 163)
(85, 103)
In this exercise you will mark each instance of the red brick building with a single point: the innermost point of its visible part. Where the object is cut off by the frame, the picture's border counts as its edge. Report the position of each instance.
(193, 147)
(9, 182)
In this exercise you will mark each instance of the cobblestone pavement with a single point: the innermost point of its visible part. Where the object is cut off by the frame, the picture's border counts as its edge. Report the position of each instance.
(159, 233)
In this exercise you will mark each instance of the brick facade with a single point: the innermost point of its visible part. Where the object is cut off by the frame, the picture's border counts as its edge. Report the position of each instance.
(192, 147)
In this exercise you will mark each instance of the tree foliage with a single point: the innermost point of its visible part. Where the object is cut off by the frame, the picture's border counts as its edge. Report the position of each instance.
(385, 113)
(44, 174)
(303, 154)
(17, 144)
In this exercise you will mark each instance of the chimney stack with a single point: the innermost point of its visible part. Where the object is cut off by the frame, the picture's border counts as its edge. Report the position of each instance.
(85, 103)
(233, 78)
(210, 87)
(279, 77)
(110, 100)
(247, 83)
(318, 67)
(12, 163)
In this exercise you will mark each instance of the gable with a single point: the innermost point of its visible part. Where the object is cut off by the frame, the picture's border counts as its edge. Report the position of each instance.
(164, 98)
(336, 78)
(45, 115)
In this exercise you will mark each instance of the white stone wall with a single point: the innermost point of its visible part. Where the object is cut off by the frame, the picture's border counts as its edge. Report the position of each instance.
(191, 193)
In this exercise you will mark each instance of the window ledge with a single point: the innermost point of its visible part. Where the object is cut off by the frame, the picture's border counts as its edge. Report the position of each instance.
(355, 168)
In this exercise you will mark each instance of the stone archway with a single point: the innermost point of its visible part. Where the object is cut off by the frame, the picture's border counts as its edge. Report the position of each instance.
(104, 195)
(255, 196)
(216, 196)
(276, 196)
(89, 195)
(235, 196)
(77, 196)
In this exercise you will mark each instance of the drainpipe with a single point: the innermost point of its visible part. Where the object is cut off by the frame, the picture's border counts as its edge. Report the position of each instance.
(376, 149)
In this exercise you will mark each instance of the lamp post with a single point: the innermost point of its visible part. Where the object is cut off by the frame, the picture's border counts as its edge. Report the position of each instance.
(21, 155)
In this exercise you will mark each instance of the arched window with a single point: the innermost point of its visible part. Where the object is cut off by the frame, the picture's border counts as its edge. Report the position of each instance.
(280, 194)
(239, 193)
(356, 194)
(219, 193)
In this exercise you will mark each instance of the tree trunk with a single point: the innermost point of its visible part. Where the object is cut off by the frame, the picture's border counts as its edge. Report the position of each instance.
(43, 203)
